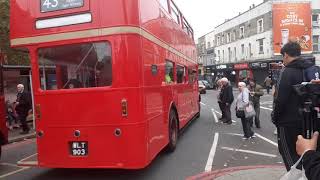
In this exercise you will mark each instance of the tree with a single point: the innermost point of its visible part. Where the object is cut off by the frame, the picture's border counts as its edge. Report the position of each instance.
(14, 57)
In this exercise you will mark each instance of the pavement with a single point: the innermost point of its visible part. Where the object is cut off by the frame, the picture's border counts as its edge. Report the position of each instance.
(243, 173)
(15, 136)
(207, 149)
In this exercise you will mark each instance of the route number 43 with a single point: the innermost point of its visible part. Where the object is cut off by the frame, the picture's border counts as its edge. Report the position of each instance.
(50, 3)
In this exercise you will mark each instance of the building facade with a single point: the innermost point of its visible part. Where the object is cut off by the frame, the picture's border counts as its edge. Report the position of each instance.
(246, 42)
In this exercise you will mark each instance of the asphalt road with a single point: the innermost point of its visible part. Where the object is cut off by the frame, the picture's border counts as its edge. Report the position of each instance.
(203, 146)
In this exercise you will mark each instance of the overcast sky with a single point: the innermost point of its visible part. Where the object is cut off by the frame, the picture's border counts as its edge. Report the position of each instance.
(204, 15)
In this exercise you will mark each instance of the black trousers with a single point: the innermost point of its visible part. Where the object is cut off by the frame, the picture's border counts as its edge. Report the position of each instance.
(227, 112)
(287, 137)
(221, 106)
(247, 130)
(257, 117)
(23, 121)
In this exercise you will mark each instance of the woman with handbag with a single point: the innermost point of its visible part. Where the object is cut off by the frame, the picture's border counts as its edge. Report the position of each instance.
(241, 108)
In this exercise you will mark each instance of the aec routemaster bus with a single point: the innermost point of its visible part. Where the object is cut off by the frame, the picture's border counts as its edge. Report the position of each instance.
(114, 81)
(3, 127)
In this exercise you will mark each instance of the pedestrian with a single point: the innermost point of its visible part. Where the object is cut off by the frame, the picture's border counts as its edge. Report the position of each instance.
(268, 83)
(23, 105)
(255, 93)
(286, 113)
(241, 104)
(311, 157)
(226, 98)
(219, 85)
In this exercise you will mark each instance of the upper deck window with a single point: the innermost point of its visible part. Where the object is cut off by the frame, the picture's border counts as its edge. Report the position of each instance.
(72, 66)
(164, 4)
(175, 13)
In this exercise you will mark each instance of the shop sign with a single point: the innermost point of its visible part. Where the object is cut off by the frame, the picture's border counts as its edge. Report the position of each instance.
(221, 66)
(241, 66)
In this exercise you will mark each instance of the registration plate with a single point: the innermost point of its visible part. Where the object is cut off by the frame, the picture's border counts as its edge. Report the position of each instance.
(78, 148)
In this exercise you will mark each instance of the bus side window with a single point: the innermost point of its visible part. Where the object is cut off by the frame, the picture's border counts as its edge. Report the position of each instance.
(169, 72)
(180, 74)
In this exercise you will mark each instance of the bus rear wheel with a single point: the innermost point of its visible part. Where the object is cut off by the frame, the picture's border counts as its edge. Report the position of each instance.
(173, 131)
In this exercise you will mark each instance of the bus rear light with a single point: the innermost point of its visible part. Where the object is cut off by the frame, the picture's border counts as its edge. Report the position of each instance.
(124, 108)
(64, 21)
(40, 134)
(38, 111)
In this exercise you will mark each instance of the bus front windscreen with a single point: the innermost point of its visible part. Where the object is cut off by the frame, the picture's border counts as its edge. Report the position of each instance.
(86, 65)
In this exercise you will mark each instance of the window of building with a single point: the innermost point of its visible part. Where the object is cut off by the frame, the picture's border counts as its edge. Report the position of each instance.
(241, 35)
(223, 55)
(209, 45)
(175, 13)
(315, 18)
(229, 54)
(228, 37)
(192, 74)
(234, 35)
(222, 39)
(250, 51)
(261, 46)
(219, 55)
(164, 4)
(242, 50)
(169, 72)
(218, 41)
(235, 53)
(316, 44)
(181, 74)
(85, 65)
(260, 25)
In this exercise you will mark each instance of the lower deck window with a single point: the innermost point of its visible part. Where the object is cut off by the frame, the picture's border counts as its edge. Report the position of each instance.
(86, 65)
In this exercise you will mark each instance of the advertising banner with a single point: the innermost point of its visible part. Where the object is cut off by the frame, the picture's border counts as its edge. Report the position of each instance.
(292, 22)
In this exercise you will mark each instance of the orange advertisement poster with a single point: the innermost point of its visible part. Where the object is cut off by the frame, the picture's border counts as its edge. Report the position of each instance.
(292, 21)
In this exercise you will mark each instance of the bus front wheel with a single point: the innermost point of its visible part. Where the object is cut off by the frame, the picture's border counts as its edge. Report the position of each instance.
(173, 131)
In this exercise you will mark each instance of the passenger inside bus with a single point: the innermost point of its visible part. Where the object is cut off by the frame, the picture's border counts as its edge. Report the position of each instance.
(75, 66)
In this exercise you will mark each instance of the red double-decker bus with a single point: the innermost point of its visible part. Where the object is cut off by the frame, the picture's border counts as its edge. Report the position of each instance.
(114, 81)
(3, 127)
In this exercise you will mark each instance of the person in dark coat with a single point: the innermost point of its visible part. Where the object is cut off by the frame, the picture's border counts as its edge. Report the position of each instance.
(286, 114)
(256, 92)
(226, 98)
(23, 105)
(311, 157)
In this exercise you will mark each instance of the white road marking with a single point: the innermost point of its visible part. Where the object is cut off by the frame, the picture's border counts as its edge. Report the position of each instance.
(27, 158)
(202, 103)
(214, 116)
(266, 102)
(221, 115)
(235, 134)
(14, 172)
(266, 139)
(249, 152)
(208, 167)
(266, 108)
(9, 164)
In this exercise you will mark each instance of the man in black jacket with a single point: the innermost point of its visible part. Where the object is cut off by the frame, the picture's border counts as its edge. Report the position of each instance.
(23, 105)
(226, 98)
(311, 157)
(286, 115)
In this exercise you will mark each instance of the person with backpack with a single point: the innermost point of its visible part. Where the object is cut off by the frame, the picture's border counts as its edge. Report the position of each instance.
(286, 115)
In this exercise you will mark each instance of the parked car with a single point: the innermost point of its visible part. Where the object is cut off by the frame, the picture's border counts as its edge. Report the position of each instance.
(207, 84)
(202, 87)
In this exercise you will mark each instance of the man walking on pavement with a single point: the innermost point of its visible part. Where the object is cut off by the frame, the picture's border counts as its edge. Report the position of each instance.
(23, 105)
(255, 93)
(268, 83)
(286, 115)
(226, 99)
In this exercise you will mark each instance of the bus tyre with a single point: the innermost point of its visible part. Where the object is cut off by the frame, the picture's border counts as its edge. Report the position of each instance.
(173, 131)
(198, 114)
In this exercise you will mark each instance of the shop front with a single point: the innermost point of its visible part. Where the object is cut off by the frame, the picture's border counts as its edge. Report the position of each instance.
(260, 71)
(224, 70)
(242, 72)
